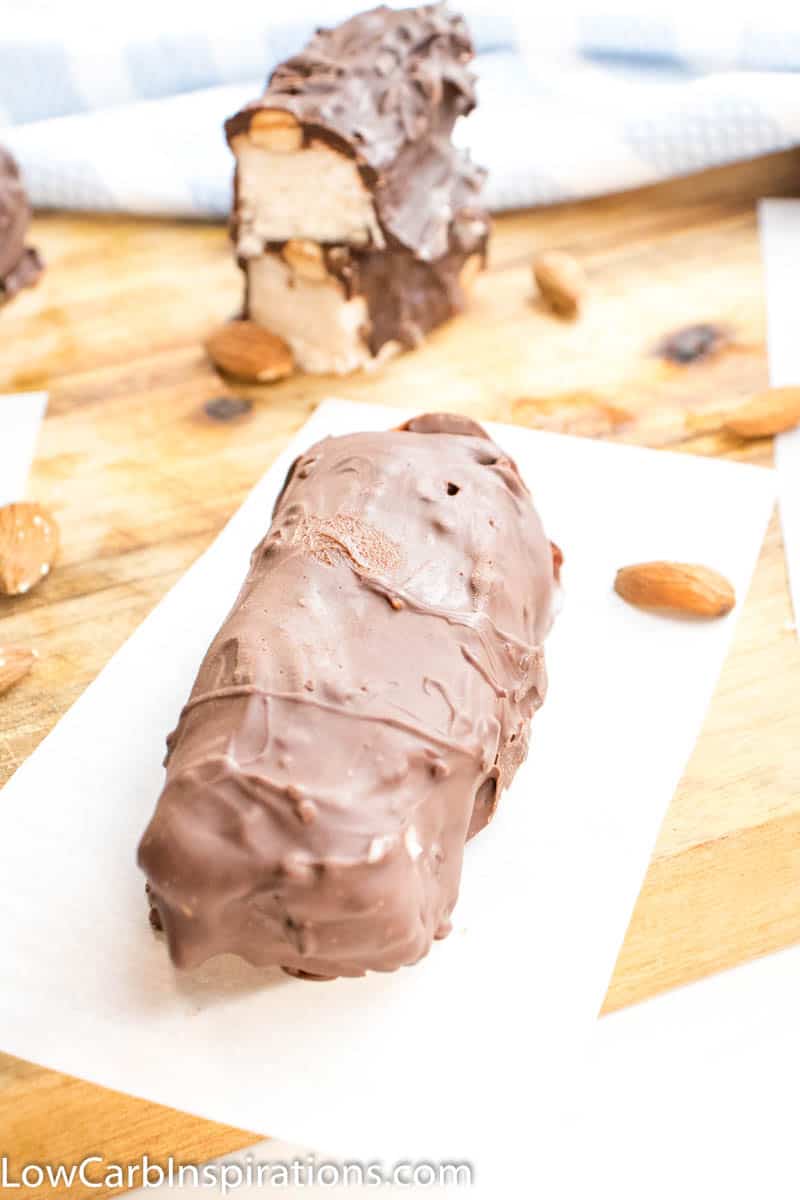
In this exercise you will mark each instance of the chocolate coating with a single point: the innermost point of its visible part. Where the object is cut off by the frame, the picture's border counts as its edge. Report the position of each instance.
(405, 296)
(361, 710)
(386, 88)
(433, 186)
(20, 266)
(383, 79)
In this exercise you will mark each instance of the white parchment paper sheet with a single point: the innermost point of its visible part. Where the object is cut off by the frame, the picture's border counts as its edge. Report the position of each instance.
(20, 418)
(780, 242)
(692, 1094)
(466, 1054)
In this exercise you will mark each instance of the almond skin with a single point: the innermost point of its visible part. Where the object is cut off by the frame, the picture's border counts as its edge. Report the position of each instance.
(250, 353)
(15, 663)
(676, 587)
(765, 414)
(29, 540)
(276, 130)
(561, 281)
(306, 259)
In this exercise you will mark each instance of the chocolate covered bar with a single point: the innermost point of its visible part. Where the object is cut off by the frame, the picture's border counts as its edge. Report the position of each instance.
(360, 712)
(341, 309)
(350, 134)
(348, 151)
(20, 265)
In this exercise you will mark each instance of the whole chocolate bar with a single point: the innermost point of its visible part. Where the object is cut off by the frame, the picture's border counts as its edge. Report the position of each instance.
(20, 265)
(361, 710)
(346, 144)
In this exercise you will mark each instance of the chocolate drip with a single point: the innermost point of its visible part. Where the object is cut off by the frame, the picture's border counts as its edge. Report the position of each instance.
(406, 297)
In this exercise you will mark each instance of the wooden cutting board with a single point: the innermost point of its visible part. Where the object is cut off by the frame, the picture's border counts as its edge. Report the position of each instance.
(143, 468)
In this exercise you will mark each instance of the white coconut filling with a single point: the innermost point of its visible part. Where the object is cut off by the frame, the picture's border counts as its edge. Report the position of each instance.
(313, 192)
(320, 324)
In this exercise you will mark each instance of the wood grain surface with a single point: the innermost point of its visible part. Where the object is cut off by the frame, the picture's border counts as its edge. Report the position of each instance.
(142, 475)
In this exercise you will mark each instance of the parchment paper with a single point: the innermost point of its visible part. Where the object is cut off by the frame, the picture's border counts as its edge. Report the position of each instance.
(468, 1053)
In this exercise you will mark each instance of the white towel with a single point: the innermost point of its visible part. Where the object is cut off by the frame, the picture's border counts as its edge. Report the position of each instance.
(581, 99)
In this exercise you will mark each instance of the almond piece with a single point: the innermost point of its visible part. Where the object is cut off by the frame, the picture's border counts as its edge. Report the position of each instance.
(15, 662)
(274, 129)
(248, 352)
(28, 546)
(306, 259)
(677, 587)
(561, 281)
(765, 414)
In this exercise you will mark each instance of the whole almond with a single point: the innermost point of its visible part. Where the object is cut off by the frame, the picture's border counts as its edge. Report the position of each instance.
(765, 414)
(15, 662)
(276, 130)
(561, 281)
(248, 352)
(28, 546)
(676, 587)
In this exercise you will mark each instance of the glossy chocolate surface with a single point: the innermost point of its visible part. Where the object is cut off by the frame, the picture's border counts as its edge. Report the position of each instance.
(362, 709)
(386, 88)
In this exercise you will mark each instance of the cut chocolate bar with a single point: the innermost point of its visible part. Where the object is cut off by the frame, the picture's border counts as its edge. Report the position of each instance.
(20, 265)
(348, 155)
(352, 135)
(340, 309)
(361, 710)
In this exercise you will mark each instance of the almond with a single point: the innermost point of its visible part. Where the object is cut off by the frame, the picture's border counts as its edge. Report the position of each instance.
(274, 129)
(306, 259)
(246, 351)
(28, 546)
(15, 662)
(561, 281)
(677, 587)
(765, 414)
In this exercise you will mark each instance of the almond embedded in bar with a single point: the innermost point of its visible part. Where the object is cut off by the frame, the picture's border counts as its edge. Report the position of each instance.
(276, 131)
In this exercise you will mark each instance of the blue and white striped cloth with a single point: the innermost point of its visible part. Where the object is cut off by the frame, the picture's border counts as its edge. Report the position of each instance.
(597, 96)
